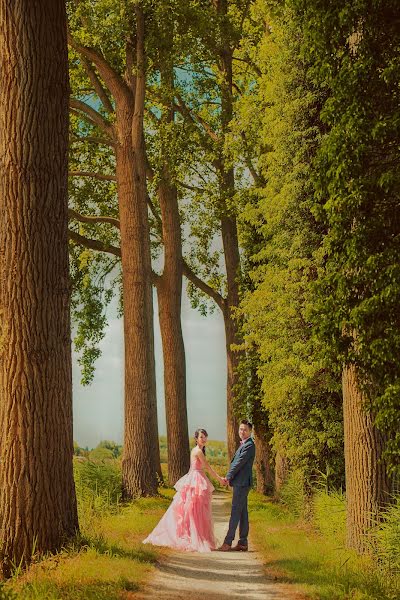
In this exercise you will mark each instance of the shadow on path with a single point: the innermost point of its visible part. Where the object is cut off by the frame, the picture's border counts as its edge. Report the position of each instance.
(215, 575)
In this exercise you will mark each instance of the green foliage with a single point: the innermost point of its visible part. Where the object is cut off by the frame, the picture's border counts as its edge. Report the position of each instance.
(329, 512)
(292, 495)
(95, 278)
(387, 538)
(98, 487)
(356, 176)
(6, 594)
(299, 389)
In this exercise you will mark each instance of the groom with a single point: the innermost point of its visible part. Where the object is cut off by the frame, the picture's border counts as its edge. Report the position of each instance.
(240, 477)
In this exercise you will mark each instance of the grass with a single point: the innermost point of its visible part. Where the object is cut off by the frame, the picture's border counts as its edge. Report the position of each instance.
(105, 563)
(107, 560)
(317, 562)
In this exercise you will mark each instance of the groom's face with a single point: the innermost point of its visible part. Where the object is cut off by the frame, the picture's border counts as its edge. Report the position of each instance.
(244, 431)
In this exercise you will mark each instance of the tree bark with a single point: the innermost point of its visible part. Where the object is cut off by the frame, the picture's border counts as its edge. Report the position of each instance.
(263, 460)
(140, 462)
(37, 494)
(230, 241)
(169, 284)
(281, 471)
(367, 482)
(232, 360)
(140, 465)
(169, 290)
(264, 473)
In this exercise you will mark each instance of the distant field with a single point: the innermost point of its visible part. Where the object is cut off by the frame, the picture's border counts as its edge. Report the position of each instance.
(216, 451)
(106, 450)
(216, 454)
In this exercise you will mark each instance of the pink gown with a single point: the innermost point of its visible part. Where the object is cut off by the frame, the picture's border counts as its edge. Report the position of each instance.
(187, 524)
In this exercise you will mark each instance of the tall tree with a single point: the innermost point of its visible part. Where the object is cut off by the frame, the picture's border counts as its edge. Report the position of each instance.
(229, 233)
(161, 135)
(121, 88)
(300, 390)
(169, 282)
(37, 494)
(357, 177)
(209, 106)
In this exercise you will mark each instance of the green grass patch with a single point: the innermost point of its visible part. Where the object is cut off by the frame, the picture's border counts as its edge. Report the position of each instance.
(107, 560)
(319, 563)
(104, 563)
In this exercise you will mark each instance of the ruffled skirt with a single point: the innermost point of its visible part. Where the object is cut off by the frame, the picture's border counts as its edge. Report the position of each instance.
(187, 524)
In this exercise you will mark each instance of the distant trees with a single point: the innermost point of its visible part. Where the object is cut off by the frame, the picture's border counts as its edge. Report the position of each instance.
(37, 494)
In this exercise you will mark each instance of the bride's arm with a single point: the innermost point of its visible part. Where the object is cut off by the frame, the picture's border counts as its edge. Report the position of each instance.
(208, 467)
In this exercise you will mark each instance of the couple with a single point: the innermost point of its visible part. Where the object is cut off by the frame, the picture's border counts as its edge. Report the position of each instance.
(188, 524)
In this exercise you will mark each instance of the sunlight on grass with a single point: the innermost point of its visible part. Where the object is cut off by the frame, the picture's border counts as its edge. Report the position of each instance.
(107, 560)
(102, 564)
(89, 574)
(324, 569)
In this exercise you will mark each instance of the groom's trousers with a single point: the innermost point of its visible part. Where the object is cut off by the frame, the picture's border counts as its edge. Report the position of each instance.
(239, 516)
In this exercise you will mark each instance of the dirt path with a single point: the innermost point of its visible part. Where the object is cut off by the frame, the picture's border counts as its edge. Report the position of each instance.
(215, 575)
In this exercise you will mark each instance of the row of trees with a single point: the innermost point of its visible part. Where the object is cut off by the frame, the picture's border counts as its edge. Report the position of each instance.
(129, 152)
(319, 310)
(186, 53)
(270, 126)
(247, 119)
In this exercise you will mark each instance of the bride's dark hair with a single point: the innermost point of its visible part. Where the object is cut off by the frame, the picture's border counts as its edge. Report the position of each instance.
(196, 435)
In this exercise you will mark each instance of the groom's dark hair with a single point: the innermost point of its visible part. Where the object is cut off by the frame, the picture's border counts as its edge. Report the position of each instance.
(246, 422)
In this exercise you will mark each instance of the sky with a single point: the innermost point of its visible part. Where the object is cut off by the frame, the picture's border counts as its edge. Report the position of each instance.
(98, 408)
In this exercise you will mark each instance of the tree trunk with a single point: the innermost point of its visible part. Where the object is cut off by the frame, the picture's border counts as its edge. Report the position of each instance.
(367, 483)
(263, 460)
(232, 359)
(264, 474)
(169, 290)
(232, 260)
(281, 471)
(228, 226)
(169, 284)
(140, 463)
(37, 494)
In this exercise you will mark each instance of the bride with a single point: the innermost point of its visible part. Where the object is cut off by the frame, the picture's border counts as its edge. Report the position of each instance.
(188, 524)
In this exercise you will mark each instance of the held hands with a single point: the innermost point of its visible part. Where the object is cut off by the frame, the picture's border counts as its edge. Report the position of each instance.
(223, 481)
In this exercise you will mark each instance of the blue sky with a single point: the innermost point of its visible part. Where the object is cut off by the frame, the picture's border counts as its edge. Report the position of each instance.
(98, 409)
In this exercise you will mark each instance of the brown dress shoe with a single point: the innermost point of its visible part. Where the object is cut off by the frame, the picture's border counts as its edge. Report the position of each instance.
(224, 548)
(240, 548)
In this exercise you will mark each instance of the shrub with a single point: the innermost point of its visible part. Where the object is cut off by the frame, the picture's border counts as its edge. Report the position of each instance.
(387, 538)
(330, 514)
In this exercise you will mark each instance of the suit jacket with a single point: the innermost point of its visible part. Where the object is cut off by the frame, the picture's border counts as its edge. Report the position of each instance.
(241, 469)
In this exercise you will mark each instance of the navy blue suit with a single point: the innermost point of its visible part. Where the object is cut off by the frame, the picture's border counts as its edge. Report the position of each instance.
(240, 477)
